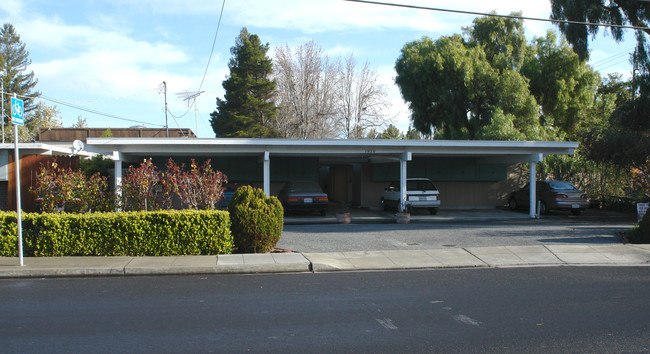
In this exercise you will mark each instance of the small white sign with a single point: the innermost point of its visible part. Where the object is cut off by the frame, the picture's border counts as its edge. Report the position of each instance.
(641, 209)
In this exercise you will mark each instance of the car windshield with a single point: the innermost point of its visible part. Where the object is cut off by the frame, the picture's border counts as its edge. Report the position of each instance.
(420, 185)
(304, 187)
(566, 186)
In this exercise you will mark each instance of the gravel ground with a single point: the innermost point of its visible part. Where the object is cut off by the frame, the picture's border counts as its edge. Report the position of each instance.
(452, 229)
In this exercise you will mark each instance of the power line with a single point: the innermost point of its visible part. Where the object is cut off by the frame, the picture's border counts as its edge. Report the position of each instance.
(497, 15)
(64, 103)
(207, 66)
(614, 64)
(611, 57)
(214, 42)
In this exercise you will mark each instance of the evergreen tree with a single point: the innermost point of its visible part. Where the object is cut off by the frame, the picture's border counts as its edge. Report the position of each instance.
(247, 109)
(14, 60)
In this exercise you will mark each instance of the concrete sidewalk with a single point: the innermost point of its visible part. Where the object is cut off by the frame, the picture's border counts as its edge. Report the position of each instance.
(506, 256)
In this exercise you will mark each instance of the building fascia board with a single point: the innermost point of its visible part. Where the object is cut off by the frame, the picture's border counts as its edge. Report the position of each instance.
(327, 147)
(39, 149)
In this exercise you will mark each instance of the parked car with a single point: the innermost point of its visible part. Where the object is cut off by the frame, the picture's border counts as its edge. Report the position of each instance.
(228, 191)
(552, 195)
(420, 193)
(303, 196)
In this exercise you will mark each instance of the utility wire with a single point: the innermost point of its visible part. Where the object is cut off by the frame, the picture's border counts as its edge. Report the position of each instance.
(64, 103)
(610, 62)
(610, 58)
(207, 66)
(497, 15)
(614, 64)
(214, 42)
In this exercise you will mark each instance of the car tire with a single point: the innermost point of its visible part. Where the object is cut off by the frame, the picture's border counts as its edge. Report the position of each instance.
(512, 204)
(433, 211)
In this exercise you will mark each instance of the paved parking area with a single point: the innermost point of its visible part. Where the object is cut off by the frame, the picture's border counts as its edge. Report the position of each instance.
(377, 230)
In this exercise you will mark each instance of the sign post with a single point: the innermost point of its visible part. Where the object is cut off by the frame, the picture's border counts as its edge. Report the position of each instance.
(17, 112)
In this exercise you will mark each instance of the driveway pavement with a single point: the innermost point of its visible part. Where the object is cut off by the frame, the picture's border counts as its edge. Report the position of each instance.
(452, 239)
(377, 230)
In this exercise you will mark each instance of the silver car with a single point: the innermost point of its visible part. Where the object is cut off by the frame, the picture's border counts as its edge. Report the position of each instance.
(420, 193)
(552, 195)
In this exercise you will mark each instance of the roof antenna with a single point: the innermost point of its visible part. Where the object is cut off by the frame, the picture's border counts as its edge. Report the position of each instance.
(191, 96)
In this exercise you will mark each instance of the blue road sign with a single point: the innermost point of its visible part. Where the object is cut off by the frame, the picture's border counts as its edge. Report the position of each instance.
(17, 111)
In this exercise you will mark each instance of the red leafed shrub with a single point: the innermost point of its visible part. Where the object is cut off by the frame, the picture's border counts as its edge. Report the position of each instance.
(141, 189)
(198, 188)
(66, 190)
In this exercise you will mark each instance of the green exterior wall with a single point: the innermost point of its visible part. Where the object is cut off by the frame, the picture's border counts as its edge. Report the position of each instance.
(441, 169)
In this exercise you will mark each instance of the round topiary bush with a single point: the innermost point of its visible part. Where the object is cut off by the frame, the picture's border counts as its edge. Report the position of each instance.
(256, 220)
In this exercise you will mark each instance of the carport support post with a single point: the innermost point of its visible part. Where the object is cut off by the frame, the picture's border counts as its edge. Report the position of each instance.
(117, 181)
(267, 173)
(402, 179)
(533, 183)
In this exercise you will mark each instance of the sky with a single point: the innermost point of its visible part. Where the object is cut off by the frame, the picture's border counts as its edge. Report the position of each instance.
(105, 61)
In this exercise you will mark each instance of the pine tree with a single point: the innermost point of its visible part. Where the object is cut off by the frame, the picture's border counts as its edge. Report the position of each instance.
(14, 60)
(247, 109)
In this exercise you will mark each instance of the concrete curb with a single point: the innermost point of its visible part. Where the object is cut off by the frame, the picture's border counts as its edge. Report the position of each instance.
(470, 257)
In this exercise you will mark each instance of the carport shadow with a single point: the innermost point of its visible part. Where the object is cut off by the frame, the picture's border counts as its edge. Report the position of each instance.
(594, 239)
(391, 225)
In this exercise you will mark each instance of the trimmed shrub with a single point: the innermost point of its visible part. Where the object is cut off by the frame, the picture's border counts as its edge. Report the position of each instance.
(641, 233)
(8, 234)
(160, 233)
(256, 220)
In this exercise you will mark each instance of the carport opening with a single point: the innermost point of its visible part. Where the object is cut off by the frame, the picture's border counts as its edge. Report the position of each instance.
(342, 183)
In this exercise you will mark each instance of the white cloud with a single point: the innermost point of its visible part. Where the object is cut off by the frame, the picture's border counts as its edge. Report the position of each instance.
(337, 15)
(98, 62)
(13, 8)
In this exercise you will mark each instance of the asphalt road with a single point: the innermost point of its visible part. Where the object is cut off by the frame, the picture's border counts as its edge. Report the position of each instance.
(557, 228)
(538, 310)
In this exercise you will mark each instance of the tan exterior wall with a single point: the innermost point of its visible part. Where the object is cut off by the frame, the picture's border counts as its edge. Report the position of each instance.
(455, 194)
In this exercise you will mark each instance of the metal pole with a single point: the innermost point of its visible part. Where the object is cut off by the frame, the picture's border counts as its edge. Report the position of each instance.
(2, 115)
(532, 185)
(18, 206)
(166, 124)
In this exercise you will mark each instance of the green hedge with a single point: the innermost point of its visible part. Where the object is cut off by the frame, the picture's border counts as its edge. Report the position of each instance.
(159, 233)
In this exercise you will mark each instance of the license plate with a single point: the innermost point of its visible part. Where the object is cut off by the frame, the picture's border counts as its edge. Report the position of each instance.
(308, 200)
(575, 206)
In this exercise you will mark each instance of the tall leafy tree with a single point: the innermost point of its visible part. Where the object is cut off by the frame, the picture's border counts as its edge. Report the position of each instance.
(14, 60)
(608, 12)
(247, 109)
(613, 12)
(460, 88)
(503, 40)
(562, 84)
(623, 140)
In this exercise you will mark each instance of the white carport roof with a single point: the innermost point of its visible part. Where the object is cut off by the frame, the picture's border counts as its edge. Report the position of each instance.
(373, 150)
(42, 149)
(488, 151)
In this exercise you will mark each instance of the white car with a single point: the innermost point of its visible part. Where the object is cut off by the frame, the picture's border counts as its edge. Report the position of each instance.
(420, 193)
